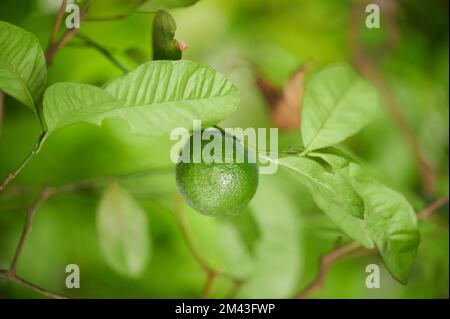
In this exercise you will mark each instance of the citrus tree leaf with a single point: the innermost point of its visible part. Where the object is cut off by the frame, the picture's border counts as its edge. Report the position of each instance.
(155, 5)
(327, 191)
(336, 105)
(165, 47)
(391, 222)
(111, 9)
(23, 73)
(277, 252)
(237, 260)
(325, 183)
(68, 103)
(123, 232)
(389, 218)
(168, 94)
(153, 99)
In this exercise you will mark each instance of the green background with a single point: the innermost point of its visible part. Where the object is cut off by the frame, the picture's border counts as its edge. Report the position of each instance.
(279, 240)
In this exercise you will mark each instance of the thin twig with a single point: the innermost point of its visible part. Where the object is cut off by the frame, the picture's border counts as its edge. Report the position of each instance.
(54, 47)
(22, 282)
(210, 279)
(428, 211)
(46, 193)
(111, 18)
(324, 266)
(51, 51)
(188, 239)
(237, 284)
(33, 152)
(104, 52)
(58, 21)
(366, 67)
(211, 273)
(354, 249)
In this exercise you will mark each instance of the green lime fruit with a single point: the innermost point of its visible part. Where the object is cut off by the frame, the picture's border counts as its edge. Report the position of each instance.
(219, 183)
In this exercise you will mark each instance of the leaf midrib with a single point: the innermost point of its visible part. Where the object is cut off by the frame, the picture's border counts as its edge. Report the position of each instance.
(123, 106)
(327, 118)
(307, 176)
(22, 83)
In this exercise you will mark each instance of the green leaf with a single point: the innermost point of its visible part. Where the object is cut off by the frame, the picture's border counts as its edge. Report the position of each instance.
(237, 259)
(333, 195)
(389, 218)
(278, 250)
(123, 232)
(155, 5)
(111, 9)
(328, 184)
(337, 104)
(165, 47)
(153, 99)
(68, 103)
(23, 73)
(391, 222)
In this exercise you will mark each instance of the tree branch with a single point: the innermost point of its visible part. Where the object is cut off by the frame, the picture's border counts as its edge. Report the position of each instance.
(354, 249)
(104, 52)
(11, 176)
(367, 68)
(430, 210)
(324, 266)
(51, 51)
(55, 46)
(46, 193)
(22, 282)
(58, 22)
(49, 192)
(210, 279)
(211, 273)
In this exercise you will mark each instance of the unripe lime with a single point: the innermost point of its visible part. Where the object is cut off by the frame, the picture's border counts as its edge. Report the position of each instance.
(221, 187)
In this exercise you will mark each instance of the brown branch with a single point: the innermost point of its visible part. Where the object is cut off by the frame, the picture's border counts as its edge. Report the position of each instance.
(46, 193)
(428, 211)
(354, 249)
(22, 282)
(367, 68)
(31, 154)
(11, 274)
(188, 239)
(58, 21)
(237, 284)
(211, 273)
(324, 266)
(56, 46)
(51, 51)
(210, 279)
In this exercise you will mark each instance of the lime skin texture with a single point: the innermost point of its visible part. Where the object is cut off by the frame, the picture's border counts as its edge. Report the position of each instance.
(220, 188)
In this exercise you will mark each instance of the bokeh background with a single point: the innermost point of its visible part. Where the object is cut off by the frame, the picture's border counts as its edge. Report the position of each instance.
(276, 245)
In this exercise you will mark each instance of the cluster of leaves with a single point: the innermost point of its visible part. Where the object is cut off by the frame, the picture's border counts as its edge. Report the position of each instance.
(337, 104)
(160, 95)
(152, 99)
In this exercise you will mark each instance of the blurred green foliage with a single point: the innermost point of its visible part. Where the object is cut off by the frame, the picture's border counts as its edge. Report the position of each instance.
(277, 244)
